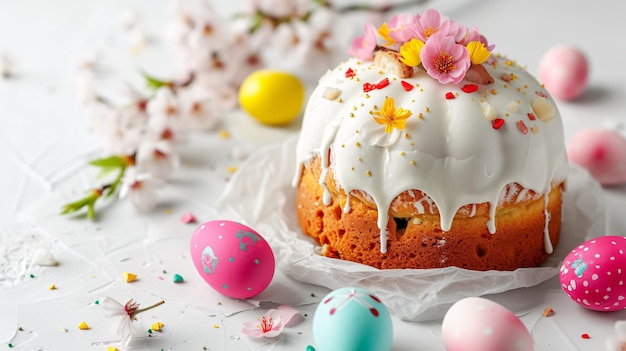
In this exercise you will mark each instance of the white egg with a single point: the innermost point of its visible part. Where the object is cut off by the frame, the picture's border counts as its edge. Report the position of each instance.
(478, 324)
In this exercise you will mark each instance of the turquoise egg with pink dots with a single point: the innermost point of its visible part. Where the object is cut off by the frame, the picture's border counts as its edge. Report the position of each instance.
(232, 258)
(352, 319)
(593, 274)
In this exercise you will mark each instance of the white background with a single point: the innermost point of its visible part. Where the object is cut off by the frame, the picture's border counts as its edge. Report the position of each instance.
(44, 141)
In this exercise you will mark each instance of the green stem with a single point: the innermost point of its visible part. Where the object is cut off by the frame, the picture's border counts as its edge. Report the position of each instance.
(138, 311)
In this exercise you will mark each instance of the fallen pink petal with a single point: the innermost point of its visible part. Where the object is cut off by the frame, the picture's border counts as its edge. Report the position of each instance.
(271, 324)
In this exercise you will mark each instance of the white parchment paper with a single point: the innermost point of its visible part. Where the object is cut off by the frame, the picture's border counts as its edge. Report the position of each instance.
(261, 195)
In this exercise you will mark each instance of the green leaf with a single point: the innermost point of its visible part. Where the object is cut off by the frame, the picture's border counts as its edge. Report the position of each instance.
(109, 162)
(88, 201)
(257, 21)
(153, 83)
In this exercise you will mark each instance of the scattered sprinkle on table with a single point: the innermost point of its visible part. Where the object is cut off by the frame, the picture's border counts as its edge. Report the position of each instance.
(32, 276)
(10, 345)
(112, 348)
(215, 326)
(156, 326)
(129, 277)
(177, 278)
(224, 134)
(83, 326)
(585, 336)
(310, 348)
(168, 211)
(188, 218)
(547, 312)
(52, 287)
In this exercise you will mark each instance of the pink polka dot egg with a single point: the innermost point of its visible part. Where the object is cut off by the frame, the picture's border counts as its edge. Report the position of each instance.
(594, 273)
(232, 258)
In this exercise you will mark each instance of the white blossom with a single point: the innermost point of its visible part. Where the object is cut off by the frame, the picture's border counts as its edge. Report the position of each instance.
(122, 316)
(122, 130)
(283, 8)
(122, 322)
(157, 158)
(141, 188)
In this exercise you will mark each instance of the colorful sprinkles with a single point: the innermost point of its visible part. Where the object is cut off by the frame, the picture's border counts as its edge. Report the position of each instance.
(367, 87)
(406, 85)
(497, 123)
(350, 73)
(522, 127)
(470, 88)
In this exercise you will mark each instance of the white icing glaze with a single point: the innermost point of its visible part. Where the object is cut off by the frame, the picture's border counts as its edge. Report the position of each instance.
(448, 149)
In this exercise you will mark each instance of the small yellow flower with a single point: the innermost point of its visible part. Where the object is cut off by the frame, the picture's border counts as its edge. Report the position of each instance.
(478, 53)
(410, 52)
(391, 117)
(384, 31)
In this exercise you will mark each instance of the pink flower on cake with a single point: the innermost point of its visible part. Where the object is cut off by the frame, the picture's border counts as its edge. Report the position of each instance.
(444, 59)
(271, 324)
(431, 22)
(363, 46)
(472, 34)
(403, 27)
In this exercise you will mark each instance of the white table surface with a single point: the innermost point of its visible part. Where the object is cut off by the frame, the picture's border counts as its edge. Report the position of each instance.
(44, 146)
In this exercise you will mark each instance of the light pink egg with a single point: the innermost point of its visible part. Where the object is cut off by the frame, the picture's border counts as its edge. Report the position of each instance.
(602, 152)
(478, 324)
(594, 273)
(563, 70)
(232, 258)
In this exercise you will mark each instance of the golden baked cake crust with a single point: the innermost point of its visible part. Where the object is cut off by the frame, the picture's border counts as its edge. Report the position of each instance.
(416, 240)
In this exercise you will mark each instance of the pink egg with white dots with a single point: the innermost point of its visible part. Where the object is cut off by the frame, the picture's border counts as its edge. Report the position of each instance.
(602, 152)
(594, 273)
(232, 258)
(563, 70)
(478, 324)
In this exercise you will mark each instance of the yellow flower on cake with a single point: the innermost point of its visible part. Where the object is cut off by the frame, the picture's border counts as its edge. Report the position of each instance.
(384, 32)
(478, 53)
(410, 52)
(391, 117)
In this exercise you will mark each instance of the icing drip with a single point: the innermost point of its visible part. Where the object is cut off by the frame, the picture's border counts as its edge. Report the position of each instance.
(491, 223)
(473, 210)
(546, 230)
(420, 207)
(447, 148)
(346, 207)
(322, 181)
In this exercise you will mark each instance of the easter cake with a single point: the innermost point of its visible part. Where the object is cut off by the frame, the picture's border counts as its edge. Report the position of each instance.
(426, 150)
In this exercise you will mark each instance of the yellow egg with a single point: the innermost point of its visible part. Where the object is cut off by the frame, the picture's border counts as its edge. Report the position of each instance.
(272, 97)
